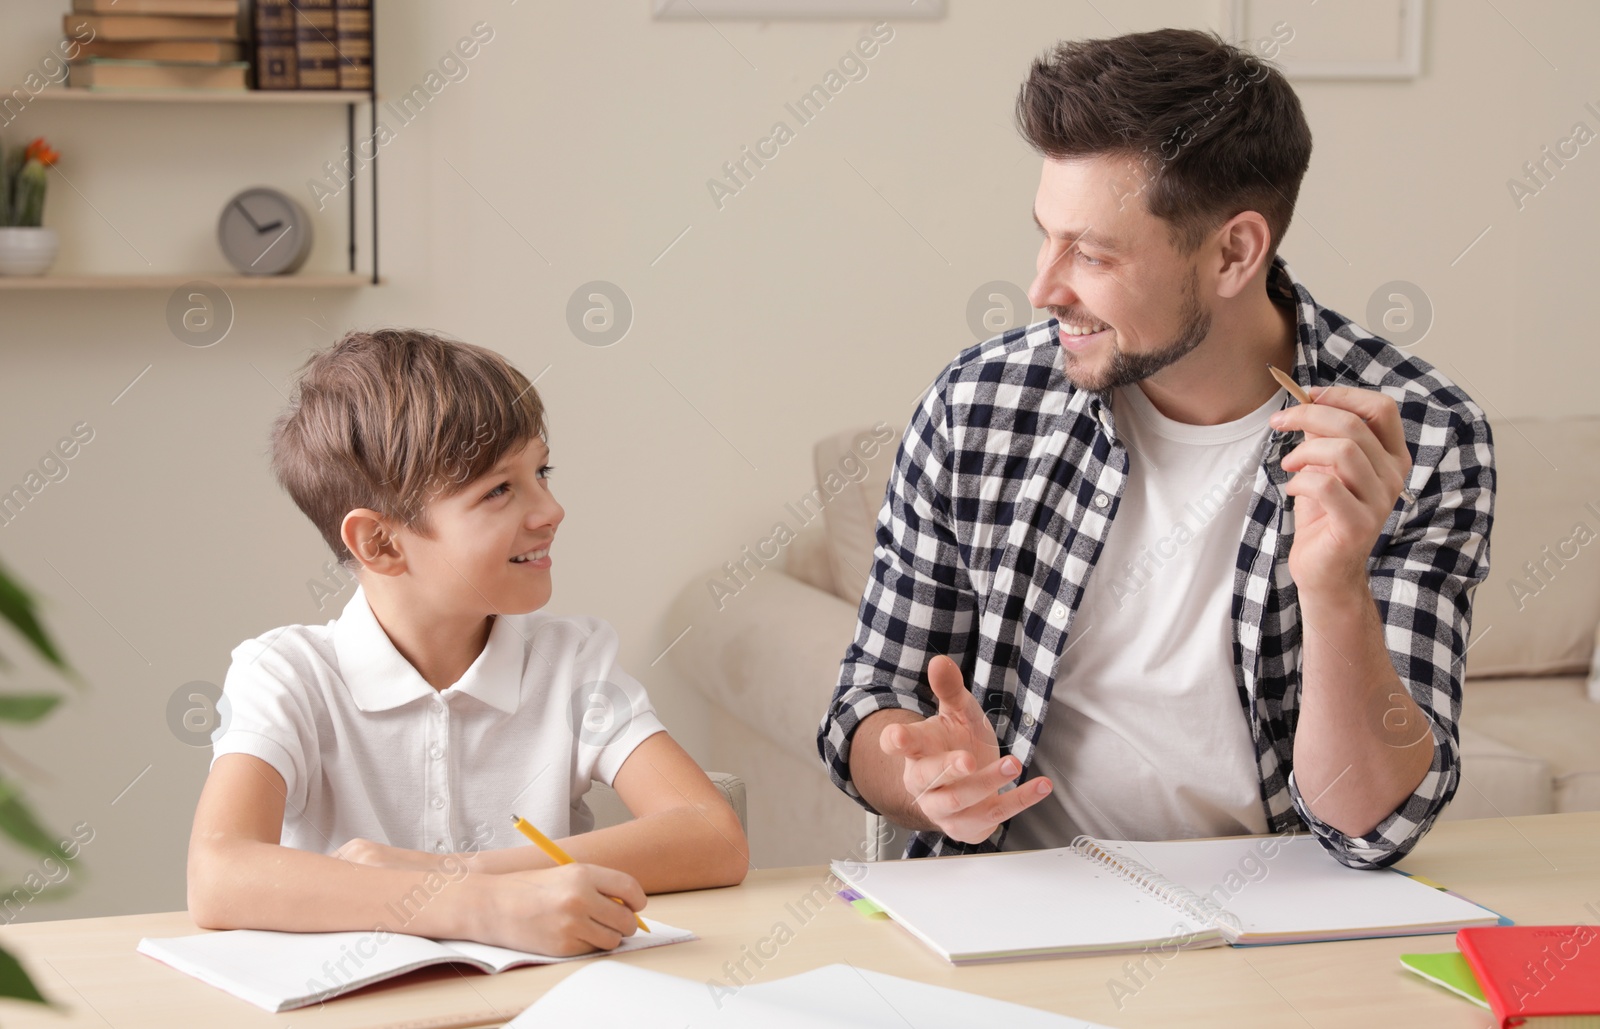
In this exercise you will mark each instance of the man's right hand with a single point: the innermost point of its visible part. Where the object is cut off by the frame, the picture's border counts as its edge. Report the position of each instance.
(952, 768)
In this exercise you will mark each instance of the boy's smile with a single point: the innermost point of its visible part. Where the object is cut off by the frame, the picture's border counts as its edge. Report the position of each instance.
(538, 558)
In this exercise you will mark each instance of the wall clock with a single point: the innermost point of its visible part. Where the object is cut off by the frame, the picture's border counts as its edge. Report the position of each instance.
(263, 231)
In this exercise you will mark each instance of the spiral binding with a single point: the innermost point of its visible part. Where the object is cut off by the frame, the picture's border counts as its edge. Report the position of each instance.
(1194, 906)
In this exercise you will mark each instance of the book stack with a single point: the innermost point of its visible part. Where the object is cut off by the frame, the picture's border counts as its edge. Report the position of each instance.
(156, 44)
(313, 44)
(353, 21)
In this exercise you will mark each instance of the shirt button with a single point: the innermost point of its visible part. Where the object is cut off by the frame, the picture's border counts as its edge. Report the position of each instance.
(1101, 500)
(435, 750)
(438, 802)
(1058, 614)
(1027, 720)
(439, 846)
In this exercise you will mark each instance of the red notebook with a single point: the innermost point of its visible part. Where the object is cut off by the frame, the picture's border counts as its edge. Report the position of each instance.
(1537, 975)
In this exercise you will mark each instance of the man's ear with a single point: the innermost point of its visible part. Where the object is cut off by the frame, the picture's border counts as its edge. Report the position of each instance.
(1244, 241)
(366, 533)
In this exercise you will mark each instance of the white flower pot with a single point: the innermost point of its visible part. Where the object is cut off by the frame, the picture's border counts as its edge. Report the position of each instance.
(27, 251)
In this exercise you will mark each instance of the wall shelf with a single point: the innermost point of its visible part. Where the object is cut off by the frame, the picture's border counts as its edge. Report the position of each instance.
(226, 280)
(350, 99)
(217, 96)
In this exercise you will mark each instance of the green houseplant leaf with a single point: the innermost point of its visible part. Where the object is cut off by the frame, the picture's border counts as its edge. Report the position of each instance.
(18, 607)
(14, 981)
(17, 820)
(27, 707)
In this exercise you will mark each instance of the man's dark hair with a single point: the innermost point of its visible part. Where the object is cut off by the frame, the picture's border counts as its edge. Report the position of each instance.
(1215, 129)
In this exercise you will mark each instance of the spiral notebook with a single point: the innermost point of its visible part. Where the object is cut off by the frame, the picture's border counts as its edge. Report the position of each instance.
(1110, 897)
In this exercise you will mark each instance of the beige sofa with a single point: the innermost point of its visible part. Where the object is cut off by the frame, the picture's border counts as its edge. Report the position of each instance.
(769, 632)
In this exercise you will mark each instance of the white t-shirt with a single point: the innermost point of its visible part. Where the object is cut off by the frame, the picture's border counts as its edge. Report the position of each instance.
(1144, 737)
(368, 748)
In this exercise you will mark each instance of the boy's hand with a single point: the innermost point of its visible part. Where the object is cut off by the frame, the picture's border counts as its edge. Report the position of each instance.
(381, 855)
(953, 770)
(559, 911)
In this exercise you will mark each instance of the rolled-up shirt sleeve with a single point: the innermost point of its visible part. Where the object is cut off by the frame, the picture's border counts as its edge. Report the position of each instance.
(1422, 583)
(918, 602)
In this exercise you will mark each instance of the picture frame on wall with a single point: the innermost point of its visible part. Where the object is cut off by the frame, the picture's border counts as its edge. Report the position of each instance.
(1353, 39)
(810, 10)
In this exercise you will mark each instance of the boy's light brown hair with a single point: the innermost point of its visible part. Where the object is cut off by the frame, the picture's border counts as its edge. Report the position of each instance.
(393, 419)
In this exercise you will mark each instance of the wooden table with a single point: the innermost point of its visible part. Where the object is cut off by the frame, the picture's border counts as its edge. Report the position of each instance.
(1534, 869)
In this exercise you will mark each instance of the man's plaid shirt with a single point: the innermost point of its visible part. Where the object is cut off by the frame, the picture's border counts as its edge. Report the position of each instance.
(1002, 494)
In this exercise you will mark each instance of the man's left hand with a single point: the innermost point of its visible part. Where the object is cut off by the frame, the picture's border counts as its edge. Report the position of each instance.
(1346, 476)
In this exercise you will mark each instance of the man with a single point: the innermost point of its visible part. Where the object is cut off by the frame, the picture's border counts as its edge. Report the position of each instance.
(1122, 585)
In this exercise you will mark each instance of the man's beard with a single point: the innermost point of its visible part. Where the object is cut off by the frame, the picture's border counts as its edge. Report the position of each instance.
(1126, 369)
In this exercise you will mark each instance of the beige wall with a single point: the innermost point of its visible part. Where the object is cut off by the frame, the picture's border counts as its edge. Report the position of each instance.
(826, 295)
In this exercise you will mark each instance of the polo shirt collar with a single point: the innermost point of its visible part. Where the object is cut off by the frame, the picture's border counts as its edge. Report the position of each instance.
(379, 677)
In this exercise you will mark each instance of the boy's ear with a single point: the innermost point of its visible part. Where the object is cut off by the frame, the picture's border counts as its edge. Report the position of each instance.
(367, 535)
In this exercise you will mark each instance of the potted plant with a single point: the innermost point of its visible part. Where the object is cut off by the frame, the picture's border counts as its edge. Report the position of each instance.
(26, 247)
(19, 610)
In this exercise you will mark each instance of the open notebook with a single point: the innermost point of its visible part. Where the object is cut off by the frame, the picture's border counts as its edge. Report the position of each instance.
(614, 995)
(1107, 897)
(282, 971)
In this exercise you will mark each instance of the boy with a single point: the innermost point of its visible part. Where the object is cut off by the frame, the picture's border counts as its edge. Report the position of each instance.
(366, 770)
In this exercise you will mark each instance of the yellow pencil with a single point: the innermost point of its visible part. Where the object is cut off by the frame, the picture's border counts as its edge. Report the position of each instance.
(556, 854)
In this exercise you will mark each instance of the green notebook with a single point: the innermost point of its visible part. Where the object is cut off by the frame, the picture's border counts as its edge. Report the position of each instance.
(1448, 970)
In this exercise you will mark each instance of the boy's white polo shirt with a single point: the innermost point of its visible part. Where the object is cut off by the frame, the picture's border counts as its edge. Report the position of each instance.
(367, 748)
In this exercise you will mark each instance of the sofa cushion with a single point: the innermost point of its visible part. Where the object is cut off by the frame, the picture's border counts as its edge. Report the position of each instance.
(810, 558)
(768, 656)
(1536, 613)
(852, 474)
(1551, 717)
(1499, 781)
